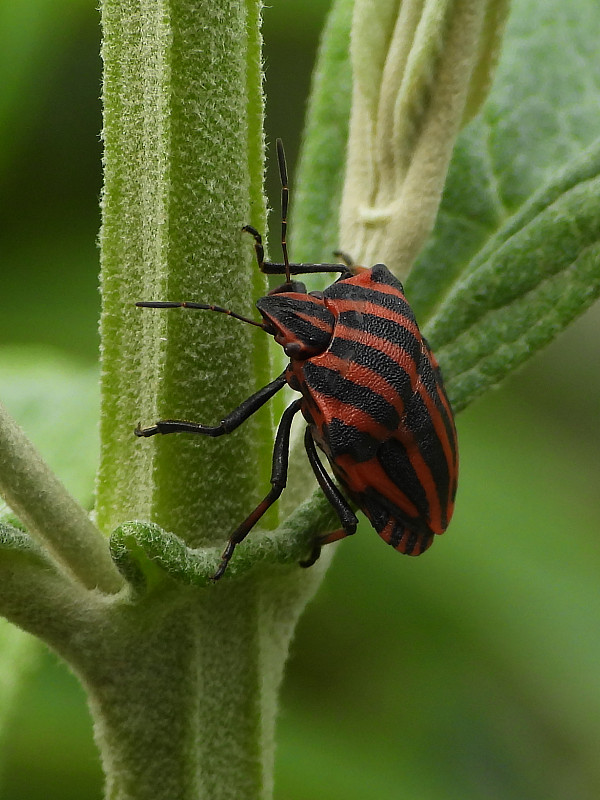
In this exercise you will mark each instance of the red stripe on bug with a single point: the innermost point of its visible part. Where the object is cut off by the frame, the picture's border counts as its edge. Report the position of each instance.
(335, 408)
(360, 476)
(452, 458)
(363, 376)
(424, 474)
(375, 310)
(365, 279)
(322, 324)
(421, 542)
(397, 353)
(441, 431)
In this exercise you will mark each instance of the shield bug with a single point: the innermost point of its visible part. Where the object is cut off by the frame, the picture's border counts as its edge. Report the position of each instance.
(371, 393)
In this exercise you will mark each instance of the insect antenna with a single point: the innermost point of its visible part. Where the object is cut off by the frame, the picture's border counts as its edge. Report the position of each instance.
(201, 306)
(285, 193)
(348, 260)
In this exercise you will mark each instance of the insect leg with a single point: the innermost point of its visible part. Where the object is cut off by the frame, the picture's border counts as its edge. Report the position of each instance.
(285, 193)
(274, 268)
(228, 424)
(278, 481)
(258, 245)
(335, 497)
(288, 268)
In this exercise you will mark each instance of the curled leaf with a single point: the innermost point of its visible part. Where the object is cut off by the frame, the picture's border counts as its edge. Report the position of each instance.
(419, 70)
(146, 554)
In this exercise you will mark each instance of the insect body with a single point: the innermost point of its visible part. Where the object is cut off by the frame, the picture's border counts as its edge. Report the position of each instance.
(371, 393)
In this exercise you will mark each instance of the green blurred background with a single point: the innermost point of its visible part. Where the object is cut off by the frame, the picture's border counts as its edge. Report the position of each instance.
(473, 672)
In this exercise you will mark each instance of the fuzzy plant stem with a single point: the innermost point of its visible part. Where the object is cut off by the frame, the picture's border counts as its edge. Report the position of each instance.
(183, 174)
(183, 690)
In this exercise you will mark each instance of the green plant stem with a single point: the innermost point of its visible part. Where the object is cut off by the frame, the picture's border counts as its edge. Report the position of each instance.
(183, 686)
(45, 507)
(188, 724)
(183, 167)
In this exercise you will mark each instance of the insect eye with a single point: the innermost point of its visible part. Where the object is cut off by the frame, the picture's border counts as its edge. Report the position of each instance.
(292, 349)
(292, 286)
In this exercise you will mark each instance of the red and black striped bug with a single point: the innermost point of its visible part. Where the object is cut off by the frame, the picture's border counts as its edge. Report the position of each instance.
(371, 393)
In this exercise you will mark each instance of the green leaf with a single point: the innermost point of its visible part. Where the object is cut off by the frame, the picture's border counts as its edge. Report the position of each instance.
(510, 262)
(542, 112)
(17, 544)
(514, 256)
(146, 554)
(397, 59)
(540, 271)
